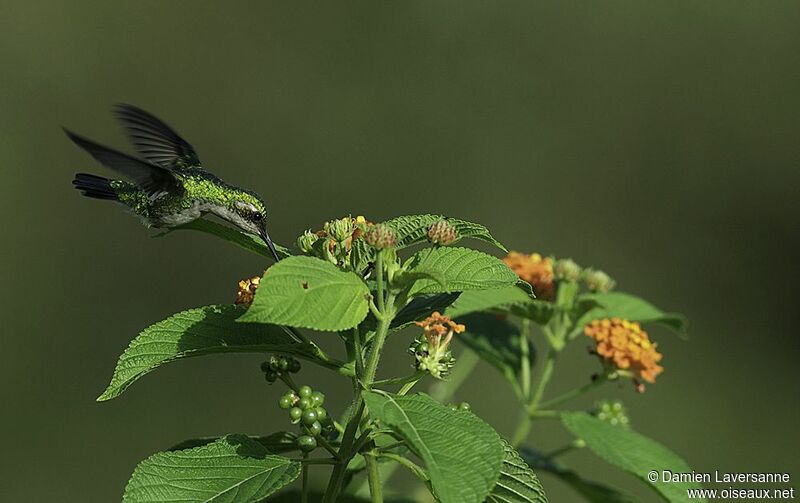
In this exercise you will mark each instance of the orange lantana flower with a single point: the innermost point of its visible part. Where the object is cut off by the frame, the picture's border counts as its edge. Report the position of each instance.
(536, 270)
(437, 326)
(625, 345)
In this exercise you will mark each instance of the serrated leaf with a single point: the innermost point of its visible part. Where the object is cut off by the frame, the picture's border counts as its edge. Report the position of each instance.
(311, 293)
(517, 483)
(413, 229)
(510, 299)
(497, 341)
(627, 306)
(279, 442)
(243, 240)
(233, 468)
(630, 451)
(197, 332)
(484, 300)
(462, 453)
(460, 269)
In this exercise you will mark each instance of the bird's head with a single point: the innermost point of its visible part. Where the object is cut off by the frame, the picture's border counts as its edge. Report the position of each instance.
(248, 212)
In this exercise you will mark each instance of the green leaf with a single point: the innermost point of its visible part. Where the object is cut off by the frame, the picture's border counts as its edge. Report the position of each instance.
(510, 299)
(485, 300)
(197, 332)
(517, 482)
(462, 453)
(243, 240)
(233, 468)
(276, 443)
(495, 340)
(630, 451)
(592, 491)
(460, 269)
(310, 293)
(413, 229)
(293, 496)
(627, 306)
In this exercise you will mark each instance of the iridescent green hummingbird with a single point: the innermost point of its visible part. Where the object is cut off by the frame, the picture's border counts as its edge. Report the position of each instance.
(167, 186)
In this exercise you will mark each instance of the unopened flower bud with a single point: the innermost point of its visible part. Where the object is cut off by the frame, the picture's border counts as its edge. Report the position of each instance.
(381, 237)
(306, 242)
(598, 281)
(340, 229)
(566, 269)
(442, 233)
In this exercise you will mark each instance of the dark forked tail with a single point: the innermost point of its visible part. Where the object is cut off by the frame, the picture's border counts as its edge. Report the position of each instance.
(95, 186)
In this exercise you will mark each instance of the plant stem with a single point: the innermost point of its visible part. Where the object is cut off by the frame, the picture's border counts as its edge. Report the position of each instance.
(415, 469)
(575, 392)
(304, 497)
(347, 451)
(374, 478)
(379, 279)
(524, 425)
(525, 358)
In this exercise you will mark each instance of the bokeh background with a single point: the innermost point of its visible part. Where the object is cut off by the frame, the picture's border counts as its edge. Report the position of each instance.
(656, 140)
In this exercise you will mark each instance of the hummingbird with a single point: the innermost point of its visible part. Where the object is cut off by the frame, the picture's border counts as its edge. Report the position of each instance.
(167, 185)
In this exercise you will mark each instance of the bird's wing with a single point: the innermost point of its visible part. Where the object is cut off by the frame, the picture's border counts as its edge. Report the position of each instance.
(154, 140)
(154, 180)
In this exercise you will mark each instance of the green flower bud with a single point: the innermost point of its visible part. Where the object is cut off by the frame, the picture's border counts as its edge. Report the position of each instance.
(566, 269)
(381, 237)
(306, 242)
(442, 233)
(340, 229)
(598, 281)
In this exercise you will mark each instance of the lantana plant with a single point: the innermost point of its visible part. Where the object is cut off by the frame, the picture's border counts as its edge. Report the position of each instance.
(410, 277)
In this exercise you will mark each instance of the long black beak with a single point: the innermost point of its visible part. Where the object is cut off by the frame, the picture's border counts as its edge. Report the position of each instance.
(268, 240)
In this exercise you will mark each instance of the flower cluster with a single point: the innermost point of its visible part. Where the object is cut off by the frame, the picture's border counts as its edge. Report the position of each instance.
(431, 349)
(536, 270)
(442, 233)
(247, 291)
(627, 347)
(335, 241)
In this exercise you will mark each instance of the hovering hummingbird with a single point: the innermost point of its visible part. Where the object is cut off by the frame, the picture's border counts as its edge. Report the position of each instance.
(168, 186)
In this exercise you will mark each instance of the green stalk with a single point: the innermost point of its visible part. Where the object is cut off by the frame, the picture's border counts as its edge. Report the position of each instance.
(524, 426)
(525, 358)
(374, 478)
(304, 496)
(346, 451)
(569, 395)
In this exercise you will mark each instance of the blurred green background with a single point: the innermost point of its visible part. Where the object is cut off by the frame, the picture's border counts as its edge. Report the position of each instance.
(656, 140)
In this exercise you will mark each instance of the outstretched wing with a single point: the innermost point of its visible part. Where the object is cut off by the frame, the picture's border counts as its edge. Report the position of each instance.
(154, 140)
(154, 180)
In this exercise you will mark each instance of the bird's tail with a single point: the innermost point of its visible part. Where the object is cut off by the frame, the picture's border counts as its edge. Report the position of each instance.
(95, 186)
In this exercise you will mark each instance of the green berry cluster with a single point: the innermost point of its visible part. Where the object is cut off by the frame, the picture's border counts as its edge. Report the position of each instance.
(612, 412)
(277, 365)
(305, 408)
(436, 363)
(462, 406)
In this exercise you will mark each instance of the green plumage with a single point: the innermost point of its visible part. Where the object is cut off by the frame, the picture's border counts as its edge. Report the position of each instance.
(167, 187)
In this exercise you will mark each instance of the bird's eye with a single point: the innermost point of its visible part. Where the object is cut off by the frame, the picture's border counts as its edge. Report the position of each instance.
(258, 215)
